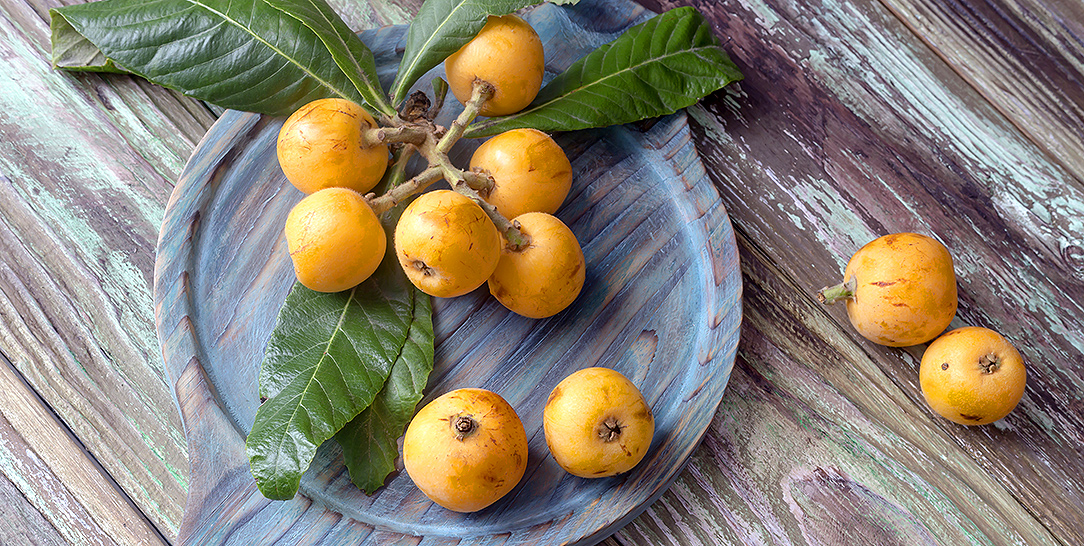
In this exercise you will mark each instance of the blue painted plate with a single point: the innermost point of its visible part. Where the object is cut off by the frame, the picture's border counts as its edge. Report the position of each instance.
(661, 304)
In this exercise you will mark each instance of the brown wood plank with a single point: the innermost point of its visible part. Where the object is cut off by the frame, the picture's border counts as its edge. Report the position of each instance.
(29, 528)
(1025, 56)
(848, 127)
(47, 466)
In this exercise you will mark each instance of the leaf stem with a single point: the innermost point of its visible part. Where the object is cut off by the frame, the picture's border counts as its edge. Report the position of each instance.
(396, 172)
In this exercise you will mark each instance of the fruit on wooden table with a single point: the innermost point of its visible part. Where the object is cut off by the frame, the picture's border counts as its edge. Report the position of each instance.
(335, 240)
(900, 289)
(597, 423)
(466, 449)
(507, 54)
(544, 278)
(322, 145)
(530, 171)
(446, 244)
(972, 376)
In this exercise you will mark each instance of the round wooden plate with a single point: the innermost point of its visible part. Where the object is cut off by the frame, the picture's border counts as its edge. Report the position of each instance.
(661, 304)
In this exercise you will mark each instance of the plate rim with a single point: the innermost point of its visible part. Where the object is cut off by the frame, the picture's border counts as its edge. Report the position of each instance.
(185, 371)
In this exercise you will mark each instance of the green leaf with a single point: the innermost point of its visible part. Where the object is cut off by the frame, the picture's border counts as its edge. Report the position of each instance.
(240, 54)
(370, 441)
(440, 92)
(440, 29)
(327, 358)
(72, 51)
(352, 56)
(655, 68)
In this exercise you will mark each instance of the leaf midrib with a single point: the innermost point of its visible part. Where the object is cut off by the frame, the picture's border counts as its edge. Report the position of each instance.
(316, 368)
(593, 83)
(350, 54)
(416, 59)
(269, 45)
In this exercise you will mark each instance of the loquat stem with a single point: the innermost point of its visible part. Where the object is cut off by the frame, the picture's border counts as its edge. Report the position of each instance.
(842, 291)
(388, 121)
(468, 183)
(480, 93)
(405, 133)
(517, 240)
(396, 195)
(479, 181)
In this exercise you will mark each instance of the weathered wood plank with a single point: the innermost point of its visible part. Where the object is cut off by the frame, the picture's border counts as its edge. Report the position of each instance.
(29, 528)
(1025, 56)
(56, 476)
(847, 127)
(83, 188)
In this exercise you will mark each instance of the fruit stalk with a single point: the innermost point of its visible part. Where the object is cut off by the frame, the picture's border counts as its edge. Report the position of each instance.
(841, 291)
(509, 229)
(481, 92)
(480, 182)
(396, 195)
(400, 133)
(470, 183)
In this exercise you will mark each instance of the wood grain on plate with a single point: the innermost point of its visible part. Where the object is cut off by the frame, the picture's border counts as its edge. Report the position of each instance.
(661, 305)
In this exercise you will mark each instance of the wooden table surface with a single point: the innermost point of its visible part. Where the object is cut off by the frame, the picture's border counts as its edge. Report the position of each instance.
(962, 119)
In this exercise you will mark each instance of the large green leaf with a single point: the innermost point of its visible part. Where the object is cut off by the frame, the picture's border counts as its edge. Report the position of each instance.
(439, 29)
(327, 358)
(241, 54)
(655, 68)
(370, 441)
